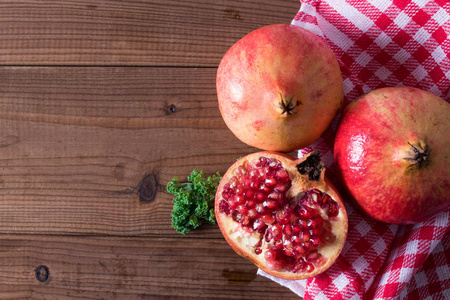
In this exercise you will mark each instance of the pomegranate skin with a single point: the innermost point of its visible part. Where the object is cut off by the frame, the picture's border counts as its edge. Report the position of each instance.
(393, 148)
(279, 88)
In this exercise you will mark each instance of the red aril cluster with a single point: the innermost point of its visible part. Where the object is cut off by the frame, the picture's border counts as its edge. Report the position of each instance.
(290, 228)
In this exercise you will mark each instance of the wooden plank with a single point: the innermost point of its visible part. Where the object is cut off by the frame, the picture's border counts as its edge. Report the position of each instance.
(76, 142)
(128, 268)
(146, 33)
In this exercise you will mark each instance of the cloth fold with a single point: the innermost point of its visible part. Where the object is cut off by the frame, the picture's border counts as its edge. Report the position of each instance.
(382, 43)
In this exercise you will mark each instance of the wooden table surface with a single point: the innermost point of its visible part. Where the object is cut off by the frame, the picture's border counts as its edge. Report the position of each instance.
(101, 104)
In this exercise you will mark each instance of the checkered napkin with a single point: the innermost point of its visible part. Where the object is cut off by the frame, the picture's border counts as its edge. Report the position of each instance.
(383, 43)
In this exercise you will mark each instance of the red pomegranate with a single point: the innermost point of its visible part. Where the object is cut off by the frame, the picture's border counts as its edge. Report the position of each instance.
(282, 214)
(279, 88)
(393, 148)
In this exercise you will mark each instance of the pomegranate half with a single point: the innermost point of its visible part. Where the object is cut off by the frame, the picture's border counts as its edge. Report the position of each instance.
(393, 149)
(279, 87)
(282, 214)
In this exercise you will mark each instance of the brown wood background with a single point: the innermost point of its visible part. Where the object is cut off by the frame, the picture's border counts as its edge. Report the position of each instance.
(100, 98)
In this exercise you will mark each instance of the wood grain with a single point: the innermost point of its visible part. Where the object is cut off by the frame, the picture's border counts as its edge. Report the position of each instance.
(101, 104)
(147, 33)
(129, 268)
(76, 142)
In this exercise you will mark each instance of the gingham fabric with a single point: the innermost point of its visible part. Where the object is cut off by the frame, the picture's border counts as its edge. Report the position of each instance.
(382, 43)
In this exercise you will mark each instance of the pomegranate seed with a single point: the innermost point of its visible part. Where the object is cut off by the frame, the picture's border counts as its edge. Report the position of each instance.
(296, 240)
(283, 216)
(283, 175)
(288, 252)
(252, 213)
(315, 232)
(242, 209)
(312, 256)
(283, 187)
(275, 164)
(300, 265)
(263, 161)
(270, 181)
(239, 199)
(278, 245)
(256, 184)
(306, 246)
(304, 236)
(232, 202)
(274, 265)
(277, 231)
(268, 236)
(258, 224)
(251, 204)
(309, 268)
(270, 204)
(224, 207)
(265, 189)
(249, 194)
(247, 182)
(260, 208)
(333, 209)
(299, 251)
(258, 251)
(236, 216)
(325, 199)
(287, 229)
(275, 195)
(268, 219)
(296, 228)
(260, 196)
(270, 254)
(315, 241)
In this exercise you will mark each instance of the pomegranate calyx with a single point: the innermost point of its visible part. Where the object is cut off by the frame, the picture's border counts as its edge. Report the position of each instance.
(420, 155)
(312, 166)
(288, 105)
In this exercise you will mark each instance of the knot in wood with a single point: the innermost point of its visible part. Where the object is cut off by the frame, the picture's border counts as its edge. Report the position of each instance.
(148, 188)
(42, 273)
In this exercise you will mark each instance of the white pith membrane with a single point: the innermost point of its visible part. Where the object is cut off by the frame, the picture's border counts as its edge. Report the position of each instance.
(288, 225)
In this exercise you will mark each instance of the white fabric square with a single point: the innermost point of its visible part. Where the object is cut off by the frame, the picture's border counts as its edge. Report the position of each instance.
(360, 265)
(383, 40)
(405, 274)
(421, 279)
(336, 36)
(382, 5)
(379, 246)
(383, 73)
(441, 16)
(402, 55)
(412, 247)
(402, 20)
(348, 85)
(384, 278)
(443, 272)
(421, 3)
(352, 14)
(419, 73)
(438, 54)
(422, 35)
(341, 281)
(363, 59)
(363, 228)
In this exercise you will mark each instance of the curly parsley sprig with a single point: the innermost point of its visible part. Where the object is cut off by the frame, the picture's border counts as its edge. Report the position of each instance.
(193, 203)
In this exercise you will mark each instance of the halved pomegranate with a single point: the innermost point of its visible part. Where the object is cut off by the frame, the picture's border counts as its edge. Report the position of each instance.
(282, 214)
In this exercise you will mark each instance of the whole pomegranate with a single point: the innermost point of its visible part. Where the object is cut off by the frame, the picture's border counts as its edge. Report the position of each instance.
(279, 87)
(393, 148)
(282, 214)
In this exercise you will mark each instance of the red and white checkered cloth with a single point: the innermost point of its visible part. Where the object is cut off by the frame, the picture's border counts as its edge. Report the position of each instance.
(383, 43)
